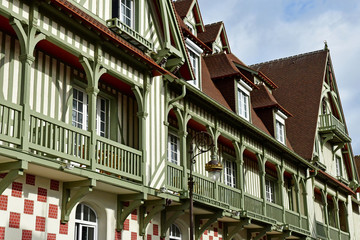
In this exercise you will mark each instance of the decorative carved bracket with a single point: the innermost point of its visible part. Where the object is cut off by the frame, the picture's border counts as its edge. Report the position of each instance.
(238, 227)
(178, 211)
(68, 203)
(211, 219)
(15, 169)
(156, 206)
(122, 212)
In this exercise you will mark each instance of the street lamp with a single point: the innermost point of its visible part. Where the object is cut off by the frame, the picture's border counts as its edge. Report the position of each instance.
(204, 143)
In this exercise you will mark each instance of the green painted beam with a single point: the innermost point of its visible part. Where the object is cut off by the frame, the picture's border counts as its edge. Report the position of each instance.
(9, 178)
(211, 219)
(123, 213)
(238, 227)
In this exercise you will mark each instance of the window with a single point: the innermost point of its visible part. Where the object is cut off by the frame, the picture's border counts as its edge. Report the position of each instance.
(175, 233)
(338, 166)
(280, 126)
(85, 223)
(270, 190)
(280, 131)
(290, 193)
(194, 57)
(230, 173)
(243, 104)
(173, 149)
(80, 112)
(127, 12)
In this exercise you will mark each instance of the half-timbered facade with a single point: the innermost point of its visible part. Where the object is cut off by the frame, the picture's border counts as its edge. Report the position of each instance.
(100, 103)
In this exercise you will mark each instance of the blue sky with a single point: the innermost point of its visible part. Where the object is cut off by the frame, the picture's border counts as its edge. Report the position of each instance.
(262, 30)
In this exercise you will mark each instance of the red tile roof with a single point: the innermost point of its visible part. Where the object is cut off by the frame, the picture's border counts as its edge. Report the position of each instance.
(210, 33)
(183, 7)
(300, 80)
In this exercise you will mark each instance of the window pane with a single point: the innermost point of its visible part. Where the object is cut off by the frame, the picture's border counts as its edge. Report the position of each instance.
(78, 212)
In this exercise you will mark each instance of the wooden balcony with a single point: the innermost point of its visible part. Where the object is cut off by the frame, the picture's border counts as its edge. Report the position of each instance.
(219, 195)
(58, 142)
(333, 129)
(333, 233)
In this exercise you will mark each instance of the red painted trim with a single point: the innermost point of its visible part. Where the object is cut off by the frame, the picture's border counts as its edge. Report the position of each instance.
(343, 186)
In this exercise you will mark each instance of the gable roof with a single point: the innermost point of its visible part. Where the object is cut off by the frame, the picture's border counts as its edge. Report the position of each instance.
(212, 32)
(183, 7)
(300, 80)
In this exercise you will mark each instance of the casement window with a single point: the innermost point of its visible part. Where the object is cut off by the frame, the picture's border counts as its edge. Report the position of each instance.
(191, 28)
(85, 223)
(230, 173)
(80, 112)
(280, 127)
(174, 233)
(194, 57)
(270, 190)
(126, 12)
(173, 149)
(243, 95)
(338, 166)
(290, 194)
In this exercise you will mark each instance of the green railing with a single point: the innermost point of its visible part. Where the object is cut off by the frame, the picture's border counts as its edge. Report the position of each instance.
(304, 222)
(329, 121)
(10, 119)
(321, 230)
(203, 186)
(57, 139)
(334, 233)
(229, 195)
(274, 211)
(174, 176)
(345, 235)
(253, 204)
(292, 218)
(118, 159)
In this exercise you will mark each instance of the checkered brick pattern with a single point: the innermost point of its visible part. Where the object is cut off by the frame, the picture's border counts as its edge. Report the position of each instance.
(14, 220)
(26, 235)
(28, 206)
(3, 202)
(16, 189)
(2, 233)
(31, 208)
(214, 232)
(117, 235)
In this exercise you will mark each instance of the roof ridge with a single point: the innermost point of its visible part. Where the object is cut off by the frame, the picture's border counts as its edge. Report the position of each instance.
(287, 58)
(212, 23)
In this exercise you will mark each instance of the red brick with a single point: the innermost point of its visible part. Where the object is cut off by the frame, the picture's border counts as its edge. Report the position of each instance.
(3, 202)
(14, 221)
(30, 179)
(156, 230)
(40, 224)
(53, 211)
(117, 235)
(26, 235)
(2, 233)
(28, 206)
(133, 236)
(16, 189)
(206, 232)
(134, 215)
(63, 228)
(54, 185)
(220, 238)
(51, 236)
(42, 194)
(215, 232)
(148, 237)
(126, 225)
(211, 237)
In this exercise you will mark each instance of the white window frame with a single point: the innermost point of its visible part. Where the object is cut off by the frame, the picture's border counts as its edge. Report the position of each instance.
(190, 27)
(80, 224)
(124, 17)
(338, 164)
(270, 190)
(172, 136)
(243, 99)
(172, 235)
(230, 173)
(82, 124)
(280, 127)
(194, 57)
(100, 119)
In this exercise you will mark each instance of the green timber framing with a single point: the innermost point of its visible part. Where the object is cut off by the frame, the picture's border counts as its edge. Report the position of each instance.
(21, 155)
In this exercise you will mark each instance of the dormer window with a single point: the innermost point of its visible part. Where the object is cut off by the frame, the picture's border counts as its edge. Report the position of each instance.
(243, 100)
(280, 126)
(127, 12)
(191, 28)
(194, 57)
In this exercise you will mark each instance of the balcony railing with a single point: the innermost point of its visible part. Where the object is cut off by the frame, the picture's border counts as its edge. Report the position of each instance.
(129, 34)
(330, 124)
(174, 177)
(292, 218)
(274, 211)
(321, 230)
(58, 141)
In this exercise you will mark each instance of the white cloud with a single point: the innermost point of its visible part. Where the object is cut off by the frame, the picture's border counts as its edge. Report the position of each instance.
(263, 30)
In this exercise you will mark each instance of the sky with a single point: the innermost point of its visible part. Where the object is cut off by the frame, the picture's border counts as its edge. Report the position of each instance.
(263, 30)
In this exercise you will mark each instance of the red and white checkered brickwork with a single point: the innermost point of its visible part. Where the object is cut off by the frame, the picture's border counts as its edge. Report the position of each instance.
(214, 232)
(29, 209)
(131, 228)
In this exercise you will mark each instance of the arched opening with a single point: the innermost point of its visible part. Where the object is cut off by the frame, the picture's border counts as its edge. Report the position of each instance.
(174, 232)
(86, 223)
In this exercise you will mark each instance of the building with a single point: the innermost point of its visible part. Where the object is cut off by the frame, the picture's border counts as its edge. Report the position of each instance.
(102, 101)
